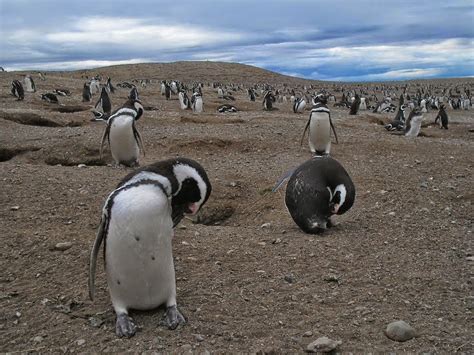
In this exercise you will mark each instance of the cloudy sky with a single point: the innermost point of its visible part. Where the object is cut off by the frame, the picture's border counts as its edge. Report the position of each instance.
(364, 40)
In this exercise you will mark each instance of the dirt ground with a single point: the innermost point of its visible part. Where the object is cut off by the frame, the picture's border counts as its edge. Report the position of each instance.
(248, 280)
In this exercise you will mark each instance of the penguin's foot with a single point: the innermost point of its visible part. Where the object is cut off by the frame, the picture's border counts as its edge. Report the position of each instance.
(173, 318)
(125, 327)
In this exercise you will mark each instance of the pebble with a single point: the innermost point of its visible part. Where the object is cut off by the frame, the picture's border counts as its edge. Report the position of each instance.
(81, 342)
(82, 166)
(15, 208)
(63, 246)
(399, 331)
(470, 258)
(308, 334)
(392, 213)
(424, 184)
(199, 337)
(290, 278)
(17, 314)
(265, 225)
(38, 339)
(186, 348)
(95, 322)
(323, 345)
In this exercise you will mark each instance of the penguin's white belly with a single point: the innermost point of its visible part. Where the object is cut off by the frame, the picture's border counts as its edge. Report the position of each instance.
(123, 145)
(301, 106)
(139, 261)
(320, 133)
(415, 127)
(198, 105)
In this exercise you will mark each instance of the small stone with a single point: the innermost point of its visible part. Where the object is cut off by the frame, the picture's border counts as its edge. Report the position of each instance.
(470, 258)
(15, 208)
(62, 246)
(323, 345)
(265, 225)
(82, 166)
(392, 213)
(182, 227)
(233, 184)
(81, 342)
(399, 331)
(199, 337)
(290, 278)
(277, 241)
(424, 185)
(186, 348)
(45, 301)
(383, 192)
(38, 339)
(17, 314)
(308, 334)
(95, 322)
(331, 278)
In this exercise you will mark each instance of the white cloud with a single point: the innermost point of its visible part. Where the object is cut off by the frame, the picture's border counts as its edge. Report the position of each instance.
(393, 75)
(73, 65)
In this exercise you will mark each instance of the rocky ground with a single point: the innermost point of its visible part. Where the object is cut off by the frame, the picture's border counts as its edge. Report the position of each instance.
(247, 278)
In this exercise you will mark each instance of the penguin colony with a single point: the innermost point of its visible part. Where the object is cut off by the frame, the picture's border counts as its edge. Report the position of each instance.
(138, 217)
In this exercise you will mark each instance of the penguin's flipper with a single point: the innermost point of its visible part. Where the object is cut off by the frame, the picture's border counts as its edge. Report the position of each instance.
(333, 129)
(104, 136)
(282, 180)
(305, 129)
(93, 258)
(138, 138)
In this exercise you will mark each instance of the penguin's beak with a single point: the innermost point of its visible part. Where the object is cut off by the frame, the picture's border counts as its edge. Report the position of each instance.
(335, 208)
(193, 208)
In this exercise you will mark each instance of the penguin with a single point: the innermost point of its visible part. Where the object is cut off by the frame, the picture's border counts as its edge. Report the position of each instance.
(184, 102)
(174, 87)
(363, 104)
(442, 117)
(109, 86)
(136, 229)
(320, 125)
(133, 95)
(124, 139)
(103, 104)
(299, 105)
(251, 94)
(268, 100)
(86, 93)
(162, 88)
(423, 106)
(413, 123)
(94, 87)
(226, 108)
(398, 122)
(62, 92)
(196, 102)
(17, 90)
(355, 105)
(220, 93)
(167, 91)
(316, 190)
(29, 84)
(50, 97)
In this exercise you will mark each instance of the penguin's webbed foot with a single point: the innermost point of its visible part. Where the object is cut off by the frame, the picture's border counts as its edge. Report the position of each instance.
(125, 327)
(173, 318)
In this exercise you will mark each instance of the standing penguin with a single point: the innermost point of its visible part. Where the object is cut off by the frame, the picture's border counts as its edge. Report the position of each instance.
(124, 139)
(442, 117)
(109, 86)
(196, 102)
(355, 105)
(103, 104)
(251, 94)
(17, 90)
(86, 93)
(318, 189)
(320, 125)
(184, 102)
(268, 100)
(29, 84)
(136, 228)
(413, 123)
(299, 105)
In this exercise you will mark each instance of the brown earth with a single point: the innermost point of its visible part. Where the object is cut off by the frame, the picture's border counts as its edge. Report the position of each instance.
(247, 278)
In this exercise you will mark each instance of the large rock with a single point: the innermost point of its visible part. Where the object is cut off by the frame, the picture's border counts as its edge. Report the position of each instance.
(400, 331)
(323, 345)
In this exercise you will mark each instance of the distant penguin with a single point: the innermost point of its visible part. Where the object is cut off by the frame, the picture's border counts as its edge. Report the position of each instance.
(268, 100)
(196, 102)
(17, 90)
(41, 76)
(184, 101)
(174, 87)
(226, 108)
(110, 88)
(363, 104)
(423, 106)
(103, 104)
(121, 132)
(320, 125)
(29, 84)
(167, 91)
(299, 105)
(86, 93)
(318, 189)
(62, 92)
(136, 228)
(442, 117)
(133, 95)
(413, 123)
(94, 87)
(355, 105)
(398, 123)
(220, 93)
(163, 88)
(50, 97)
(251, 94)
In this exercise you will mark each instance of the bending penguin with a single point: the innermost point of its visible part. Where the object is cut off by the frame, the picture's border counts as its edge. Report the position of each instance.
(124, 139)
(17, 90)
(320, 125)
(136, 229)
(318, 189)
